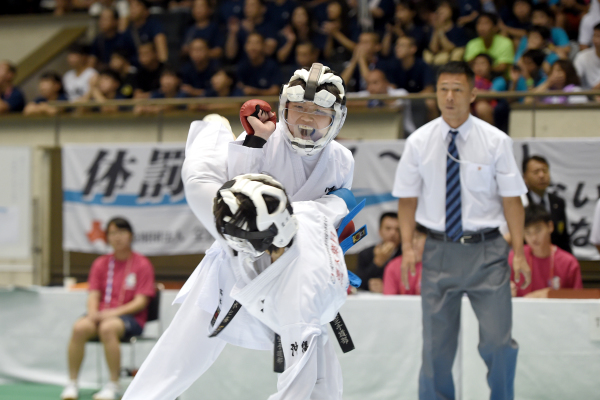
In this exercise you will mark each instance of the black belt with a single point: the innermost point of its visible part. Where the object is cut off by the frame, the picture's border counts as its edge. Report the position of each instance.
(466, 239)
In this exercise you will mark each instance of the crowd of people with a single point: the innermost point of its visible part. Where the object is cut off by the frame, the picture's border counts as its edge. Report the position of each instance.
(244, 47)
(548, 244)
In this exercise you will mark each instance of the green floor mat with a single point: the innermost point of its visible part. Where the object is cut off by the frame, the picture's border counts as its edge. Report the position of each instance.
(33, 391)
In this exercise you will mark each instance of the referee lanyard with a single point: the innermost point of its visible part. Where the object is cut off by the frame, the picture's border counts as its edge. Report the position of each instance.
(110, 279)
(553, 281)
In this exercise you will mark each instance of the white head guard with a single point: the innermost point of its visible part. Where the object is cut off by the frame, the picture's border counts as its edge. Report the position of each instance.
(317, 76)
(276, 228)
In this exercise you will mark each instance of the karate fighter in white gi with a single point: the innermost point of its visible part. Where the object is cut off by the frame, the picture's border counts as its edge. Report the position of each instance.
(300, 153)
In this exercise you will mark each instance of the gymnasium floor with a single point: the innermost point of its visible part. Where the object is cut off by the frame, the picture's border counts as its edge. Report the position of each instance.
(32, 391)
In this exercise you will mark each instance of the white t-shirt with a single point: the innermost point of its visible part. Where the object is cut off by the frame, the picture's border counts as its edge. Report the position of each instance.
(488, 172)
(76, 86)
(595, 235)
(587, 64)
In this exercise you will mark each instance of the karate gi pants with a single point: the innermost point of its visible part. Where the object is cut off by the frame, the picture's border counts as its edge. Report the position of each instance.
(481, 271)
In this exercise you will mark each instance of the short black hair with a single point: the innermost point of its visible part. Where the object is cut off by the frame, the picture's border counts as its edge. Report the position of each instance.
(387, 215)
(122, 52)
(597, 27)
(51, 75)
(543, 8)
(457, 68)
(535, 55)
(490, 16)
(535, 158)
(112, 74)
(168, 70)
(486, 56)
(120, 223)
(535, 213)
(542, 30)
(78, 48)
(408, 5)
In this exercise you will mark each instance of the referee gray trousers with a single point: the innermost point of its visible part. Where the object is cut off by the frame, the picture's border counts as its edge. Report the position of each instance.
(481, 271)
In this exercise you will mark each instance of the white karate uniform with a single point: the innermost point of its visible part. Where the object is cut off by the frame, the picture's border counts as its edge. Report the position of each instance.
(312, 283)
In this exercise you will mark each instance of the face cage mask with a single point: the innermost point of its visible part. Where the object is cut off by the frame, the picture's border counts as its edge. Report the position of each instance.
(317, 76)
(276, 228)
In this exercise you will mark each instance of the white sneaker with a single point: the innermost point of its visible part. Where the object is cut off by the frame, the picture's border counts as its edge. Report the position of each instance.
(218, 118)
(110, 391)
(70, 392)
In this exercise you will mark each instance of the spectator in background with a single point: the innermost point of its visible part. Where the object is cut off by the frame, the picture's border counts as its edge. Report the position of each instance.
(50, 89)
(587, 63)
(364, 59)
(145, 28)
(568, 16)
(448, 41)
(121, 285)
(119, 62)
(542, 15)
(254, 21)
(148, 76)
(204, 28)
(563, 78)
(258, 75)
(341, 35)
(498, 47)
(404, 24)
(382, 12)
(222, 84)
(372, 260)
(588, 22)
(551, 266)
(406, 70)
(483, 108)
(377, 83)
(11, 97)
(531, 68)
(76, 82)
(196, 73)
(538, 38)
(279, 12)
(595, 233)
(306, 55)
(536, 173)
(121, 6)
(230, 9)
(516, 20)
(300, 30)
(392, 281)
(106, 88)
(109, 39)
(170, 88)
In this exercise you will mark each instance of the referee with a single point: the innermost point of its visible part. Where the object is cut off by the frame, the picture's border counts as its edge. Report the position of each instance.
(458, 179)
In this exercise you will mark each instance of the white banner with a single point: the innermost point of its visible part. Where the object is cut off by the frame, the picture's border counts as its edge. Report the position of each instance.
(142, 183)
(574, 169)
(15, 206)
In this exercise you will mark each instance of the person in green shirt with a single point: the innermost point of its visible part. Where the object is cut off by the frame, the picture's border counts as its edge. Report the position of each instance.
(489, 42)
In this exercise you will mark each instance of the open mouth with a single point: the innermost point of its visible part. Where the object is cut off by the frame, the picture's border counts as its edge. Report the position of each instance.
(306, 130)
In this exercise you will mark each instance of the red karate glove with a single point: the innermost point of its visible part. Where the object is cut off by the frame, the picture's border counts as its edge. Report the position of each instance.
(251, 108)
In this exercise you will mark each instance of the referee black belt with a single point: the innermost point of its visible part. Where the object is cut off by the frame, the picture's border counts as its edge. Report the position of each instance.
(466, 239)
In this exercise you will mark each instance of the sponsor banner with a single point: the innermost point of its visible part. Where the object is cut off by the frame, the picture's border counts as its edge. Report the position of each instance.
(142, 182)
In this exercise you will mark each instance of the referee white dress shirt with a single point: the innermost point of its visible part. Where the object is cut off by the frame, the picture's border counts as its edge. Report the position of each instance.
(488, 172)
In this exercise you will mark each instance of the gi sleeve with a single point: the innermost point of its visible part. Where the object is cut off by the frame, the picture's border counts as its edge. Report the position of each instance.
(204, 170)
(244, 159)
(408, 180)
(508, 177)
(333, 207)
(300, 347)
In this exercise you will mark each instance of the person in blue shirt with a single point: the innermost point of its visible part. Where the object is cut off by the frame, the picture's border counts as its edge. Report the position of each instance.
(515, 21)
(204, 28)
(222, 84)
(280, 12)
(107, 88)
(109, 39)
(405, 24)
(11, 97)
(340, 33)
(364, 59)
(258, 75)
(49, 89)
(254, 21)
(538, 38)
(407, 71)
(196, 73)
(145, 28)
(230, 9)
(300, 30)
(382, 13)
(542, 15)
(170, 84)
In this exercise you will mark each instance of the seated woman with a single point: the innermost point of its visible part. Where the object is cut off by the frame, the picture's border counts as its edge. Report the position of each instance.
(563, 78)
(120, 287)
(448, 41)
